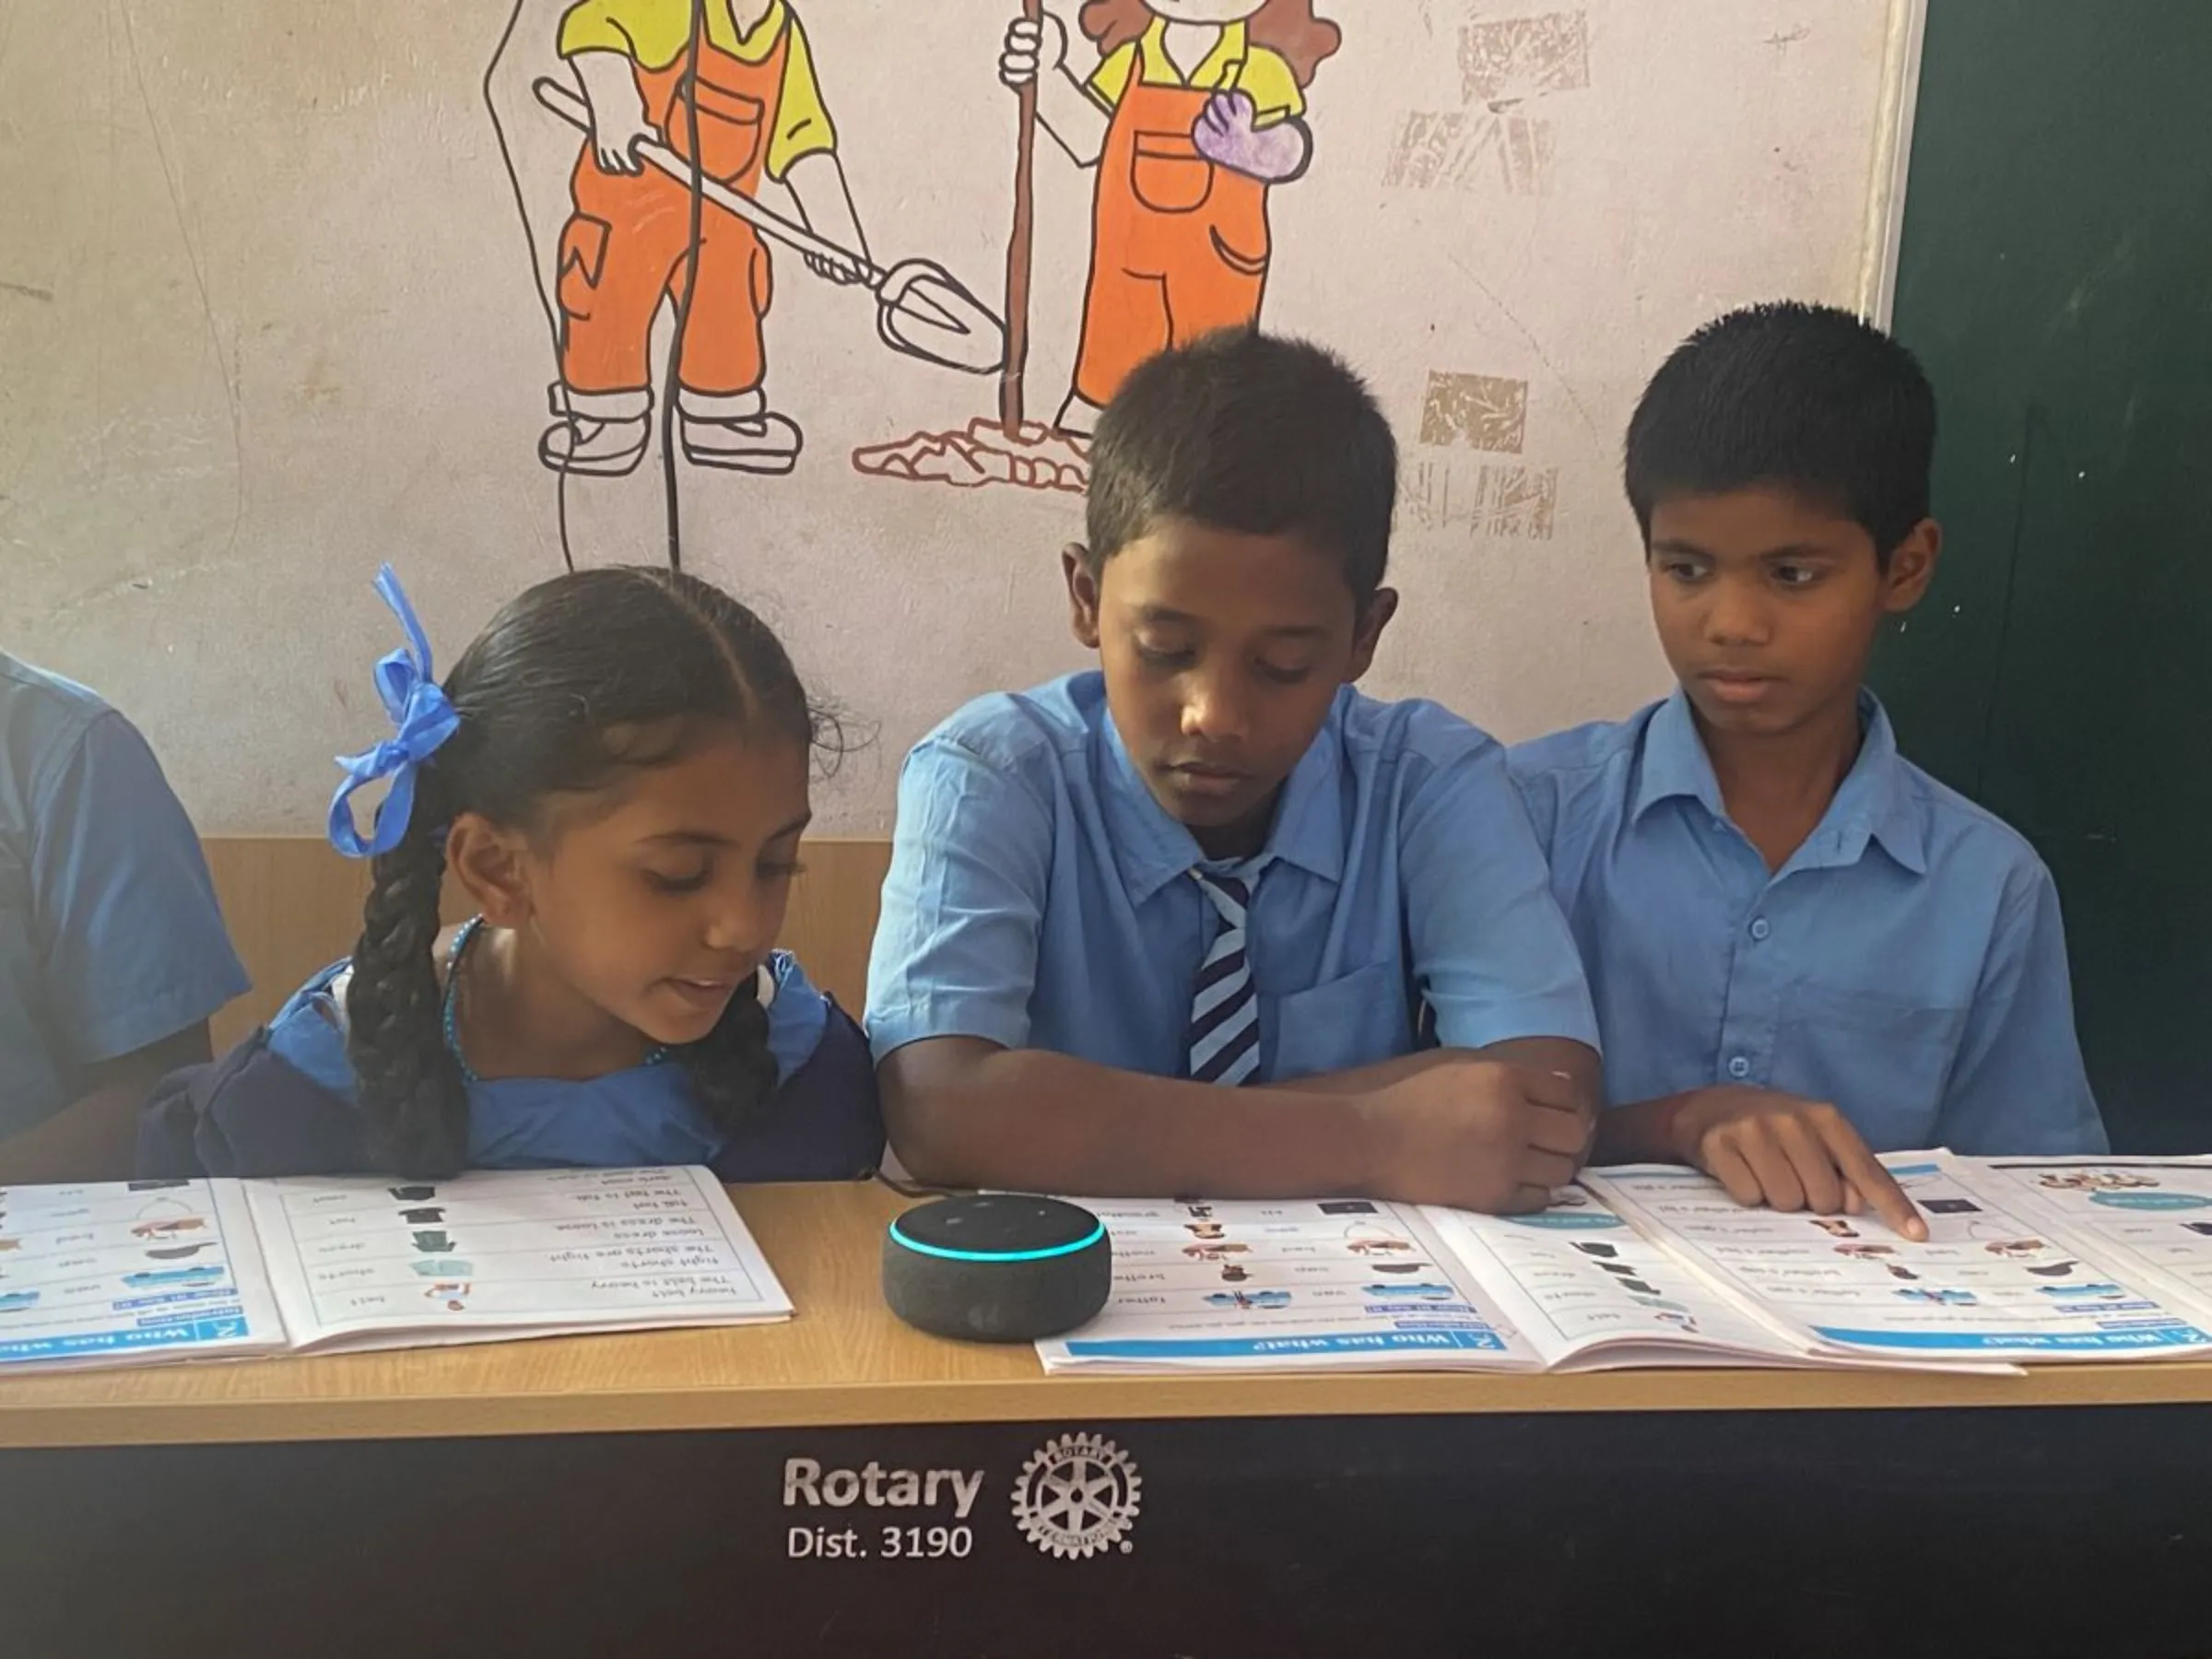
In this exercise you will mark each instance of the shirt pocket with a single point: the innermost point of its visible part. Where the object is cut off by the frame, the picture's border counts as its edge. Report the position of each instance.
(583, 261)
(1357, 1020)
(729, 131)
(1167, 174)
(1882, 1061)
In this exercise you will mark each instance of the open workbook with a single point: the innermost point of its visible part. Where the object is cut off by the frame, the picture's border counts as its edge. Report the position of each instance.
(1657, 1266)
(2152, 1214)
(109, 1273)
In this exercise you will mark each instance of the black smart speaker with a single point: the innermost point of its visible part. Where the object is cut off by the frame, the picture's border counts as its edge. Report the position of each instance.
(997, 1267)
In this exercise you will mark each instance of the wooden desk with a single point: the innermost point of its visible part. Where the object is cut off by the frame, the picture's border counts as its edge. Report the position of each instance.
(618, 1495)
(845, 1360)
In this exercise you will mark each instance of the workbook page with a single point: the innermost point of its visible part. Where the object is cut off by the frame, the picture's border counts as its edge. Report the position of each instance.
(115, 1272)
(1591, 1293)
(1327, 1283)
(2154, 1212)
(373, 1262)
(1989, 1284)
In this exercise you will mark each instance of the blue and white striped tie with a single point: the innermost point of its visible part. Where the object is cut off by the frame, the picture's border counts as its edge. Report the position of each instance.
(1225, 1012)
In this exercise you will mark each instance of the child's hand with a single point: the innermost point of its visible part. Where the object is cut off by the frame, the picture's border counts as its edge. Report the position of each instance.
(1225, 134)
(1030, 48)
(844, 272)
(1788, 1154)
(1478, 1135)
(618, 110)
(618, 132)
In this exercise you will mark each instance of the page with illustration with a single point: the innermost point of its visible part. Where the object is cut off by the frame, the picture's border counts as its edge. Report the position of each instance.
(1990, 1283)
(1591, 1293)
(1305, 1285)
(110, 1273)
(2154, 1212)
(371, 1261)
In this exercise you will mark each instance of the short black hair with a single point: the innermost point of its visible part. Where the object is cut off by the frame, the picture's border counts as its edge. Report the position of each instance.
(1805, 398)
(1247, 431)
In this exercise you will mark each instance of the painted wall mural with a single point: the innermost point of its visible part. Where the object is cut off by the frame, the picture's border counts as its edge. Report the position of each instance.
(821, 299)
(706, 151)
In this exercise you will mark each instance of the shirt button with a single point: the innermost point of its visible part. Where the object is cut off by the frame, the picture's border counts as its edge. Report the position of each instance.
(1761, 928)
(1739, 1068)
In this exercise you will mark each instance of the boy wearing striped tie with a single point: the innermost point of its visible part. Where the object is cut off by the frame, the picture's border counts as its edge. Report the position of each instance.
(1208, 919)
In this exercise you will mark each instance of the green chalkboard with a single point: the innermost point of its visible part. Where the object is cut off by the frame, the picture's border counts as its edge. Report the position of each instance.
(2056, 278)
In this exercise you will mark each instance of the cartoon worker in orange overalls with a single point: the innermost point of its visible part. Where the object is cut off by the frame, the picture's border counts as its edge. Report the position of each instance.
(1196, 109)
(626, 250)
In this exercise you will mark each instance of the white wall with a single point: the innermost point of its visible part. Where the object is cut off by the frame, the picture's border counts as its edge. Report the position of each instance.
(266, 319)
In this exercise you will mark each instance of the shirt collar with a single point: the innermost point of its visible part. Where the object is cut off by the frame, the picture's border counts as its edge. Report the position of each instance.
(1874, 802)
(1215, 71)
(1151, 849)
(754, 47)
(1673, 763)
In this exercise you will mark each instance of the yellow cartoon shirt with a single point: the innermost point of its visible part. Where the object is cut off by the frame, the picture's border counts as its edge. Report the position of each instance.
(654, 33)
(1258, 72)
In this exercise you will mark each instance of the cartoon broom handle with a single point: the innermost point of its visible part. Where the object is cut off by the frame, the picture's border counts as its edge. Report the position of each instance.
(1019, 248)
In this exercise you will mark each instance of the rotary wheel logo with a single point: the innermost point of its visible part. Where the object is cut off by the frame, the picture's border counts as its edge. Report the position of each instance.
(1077, 1496)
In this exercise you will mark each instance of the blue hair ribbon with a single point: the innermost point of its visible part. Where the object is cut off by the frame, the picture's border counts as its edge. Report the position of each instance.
(422, 719)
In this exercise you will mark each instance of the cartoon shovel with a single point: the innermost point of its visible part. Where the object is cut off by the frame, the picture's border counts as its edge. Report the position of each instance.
(920, 308)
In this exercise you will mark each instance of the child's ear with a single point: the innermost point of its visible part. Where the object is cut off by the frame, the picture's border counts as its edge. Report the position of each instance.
(487, 862)
(1912, 567)
(1381, 606)
(1082, 593)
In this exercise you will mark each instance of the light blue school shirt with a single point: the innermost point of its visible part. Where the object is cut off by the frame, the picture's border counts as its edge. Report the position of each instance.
(111, 938)
(1040, 896)
(1907, 965)
(642, 1115)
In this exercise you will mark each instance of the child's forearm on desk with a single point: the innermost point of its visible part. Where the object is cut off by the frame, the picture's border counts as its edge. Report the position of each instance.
(964, 1111)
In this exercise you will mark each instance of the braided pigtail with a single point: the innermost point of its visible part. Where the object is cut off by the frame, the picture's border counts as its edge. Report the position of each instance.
(733, 1073)
(411, 1090)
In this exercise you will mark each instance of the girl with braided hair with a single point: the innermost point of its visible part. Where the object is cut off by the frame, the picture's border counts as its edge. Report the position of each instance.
(616, 775)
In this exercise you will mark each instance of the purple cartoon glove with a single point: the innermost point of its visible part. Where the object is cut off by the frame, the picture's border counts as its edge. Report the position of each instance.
(1226, 136)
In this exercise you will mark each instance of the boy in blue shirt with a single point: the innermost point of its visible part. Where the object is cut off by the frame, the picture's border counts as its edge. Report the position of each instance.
(1212, 863)
(1801, 946)
(112, 951)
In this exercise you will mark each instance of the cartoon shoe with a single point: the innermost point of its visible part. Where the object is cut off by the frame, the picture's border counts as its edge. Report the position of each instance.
(738, 433)
(1078, 417)
(598, 434)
